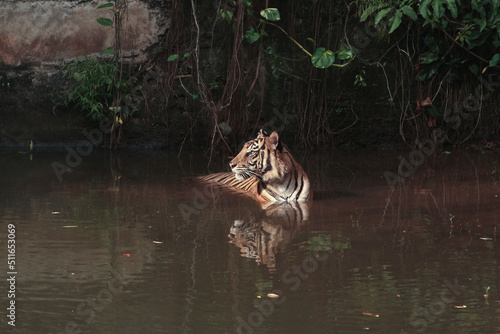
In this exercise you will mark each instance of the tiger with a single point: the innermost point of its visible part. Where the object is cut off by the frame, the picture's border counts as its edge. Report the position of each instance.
(266, 171)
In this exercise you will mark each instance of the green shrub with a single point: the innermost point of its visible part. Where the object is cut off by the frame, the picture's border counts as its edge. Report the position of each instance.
(94, 82)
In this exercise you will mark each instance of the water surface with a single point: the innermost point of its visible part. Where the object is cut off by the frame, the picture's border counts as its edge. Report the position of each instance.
(123, 245)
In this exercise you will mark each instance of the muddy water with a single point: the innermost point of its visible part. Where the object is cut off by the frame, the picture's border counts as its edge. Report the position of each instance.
(119, 245)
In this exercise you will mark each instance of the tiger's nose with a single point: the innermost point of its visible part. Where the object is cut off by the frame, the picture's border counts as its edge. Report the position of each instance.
(232, 165)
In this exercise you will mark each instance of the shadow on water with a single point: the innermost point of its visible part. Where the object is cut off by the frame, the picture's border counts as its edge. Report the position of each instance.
(121, 246)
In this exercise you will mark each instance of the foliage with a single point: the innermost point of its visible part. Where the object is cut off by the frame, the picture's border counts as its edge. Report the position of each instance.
(245, 93)
(100, 87)
(114, 7)
(458, 35)
(443, 48)
(94, 82)
(249, 65)
(321, 58)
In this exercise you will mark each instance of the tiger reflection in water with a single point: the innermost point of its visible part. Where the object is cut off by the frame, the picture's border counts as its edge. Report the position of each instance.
(266, 171)
(262, 237)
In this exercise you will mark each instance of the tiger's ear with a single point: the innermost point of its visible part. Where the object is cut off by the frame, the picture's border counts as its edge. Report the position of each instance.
(274, 140)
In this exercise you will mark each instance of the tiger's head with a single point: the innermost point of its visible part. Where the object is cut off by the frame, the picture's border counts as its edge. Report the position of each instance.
(262, 157)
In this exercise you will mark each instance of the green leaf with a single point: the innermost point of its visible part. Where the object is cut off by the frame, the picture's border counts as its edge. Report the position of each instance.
(396, 21)
(271, 14)
(438, 8)
(322, 58)
(172, 57)
(108, 51)
(381, 15)
(474, 69)
(345, 53)
(187, 54)
(105, 22)
(226, 129)
(368, 11)
(226, 15)
(452, 6)
(494, 61)
(482, 12)
(408, 11)
(424, 9)
(428, 57)
(106, 5)
(475, 5)
(251, 35)
(496, 41)
(482, 25)
(320, 243)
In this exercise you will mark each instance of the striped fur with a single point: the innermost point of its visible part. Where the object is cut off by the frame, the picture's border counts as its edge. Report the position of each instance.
(266, 171)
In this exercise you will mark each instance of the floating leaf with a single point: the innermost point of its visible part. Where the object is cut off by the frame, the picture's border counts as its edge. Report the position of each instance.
(172, 57)
(105, 22)
(371, 314)
(271, 14)
(322, 58)
(319, 243)
(106, 5)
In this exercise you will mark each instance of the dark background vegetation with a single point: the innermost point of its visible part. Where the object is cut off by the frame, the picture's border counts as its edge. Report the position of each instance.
(222, 72)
